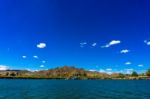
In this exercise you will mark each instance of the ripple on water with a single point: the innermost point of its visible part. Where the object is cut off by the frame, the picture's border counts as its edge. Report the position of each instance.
(72, 89)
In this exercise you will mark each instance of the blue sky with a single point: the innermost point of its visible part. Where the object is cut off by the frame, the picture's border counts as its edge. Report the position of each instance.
(102, 35)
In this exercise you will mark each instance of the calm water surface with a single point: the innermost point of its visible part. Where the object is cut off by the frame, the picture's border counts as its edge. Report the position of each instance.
(74, 89)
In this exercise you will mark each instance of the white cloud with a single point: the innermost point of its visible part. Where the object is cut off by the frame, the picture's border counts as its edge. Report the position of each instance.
(4, 67)
(42, 66)
(113, 42)
(41, 45)
(28, 69)
(109, 69)
(102, 71)
(147, 42)
(140, 65)
(129, 71)
(82, 44)
(43, 61)
(36, 57)
(94, 44)
(92, 70)
(31, 70)
(124, 51)
(128, 63)
(24, 57)
(109, 72)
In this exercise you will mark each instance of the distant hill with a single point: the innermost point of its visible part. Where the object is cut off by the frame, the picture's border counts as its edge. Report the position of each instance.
(68, 72)
(65, 72)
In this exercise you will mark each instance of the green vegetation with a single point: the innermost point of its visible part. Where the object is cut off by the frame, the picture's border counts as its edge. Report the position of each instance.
(134, 74)
(148, 72)
(120, 75)
(68, 72)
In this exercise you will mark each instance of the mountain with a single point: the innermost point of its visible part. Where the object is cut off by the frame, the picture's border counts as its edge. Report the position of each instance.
(65, 72)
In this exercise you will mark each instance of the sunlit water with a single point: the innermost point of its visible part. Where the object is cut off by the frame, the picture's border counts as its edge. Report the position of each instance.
(74, 89)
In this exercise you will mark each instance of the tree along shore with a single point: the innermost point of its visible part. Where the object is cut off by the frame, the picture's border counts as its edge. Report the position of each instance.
(68, 72)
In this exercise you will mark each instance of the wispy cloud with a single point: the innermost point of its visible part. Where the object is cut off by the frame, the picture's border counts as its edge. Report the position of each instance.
(82, 44)
(4, 67)
(102, 71)
(128, 63)
(140, 65)
(42, 66)
(111, 43)
(124, 51)
(92, 70)
(41, 45)
(94, 44)
(129, 71)
(24, 56)
(147, 42)
(31, 70)
(43, 62)
(35, 56)
(109, 69)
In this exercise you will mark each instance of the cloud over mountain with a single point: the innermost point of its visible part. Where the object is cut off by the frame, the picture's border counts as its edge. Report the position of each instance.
(4, 67)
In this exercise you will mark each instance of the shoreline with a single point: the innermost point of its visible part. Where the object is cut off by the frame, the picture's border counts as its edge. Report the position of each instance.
(73, 79)
(71, 73)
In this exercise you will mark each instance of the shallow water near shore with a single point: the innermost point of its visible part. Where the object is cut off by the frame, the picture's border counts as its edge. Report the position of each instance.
(74, 89)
